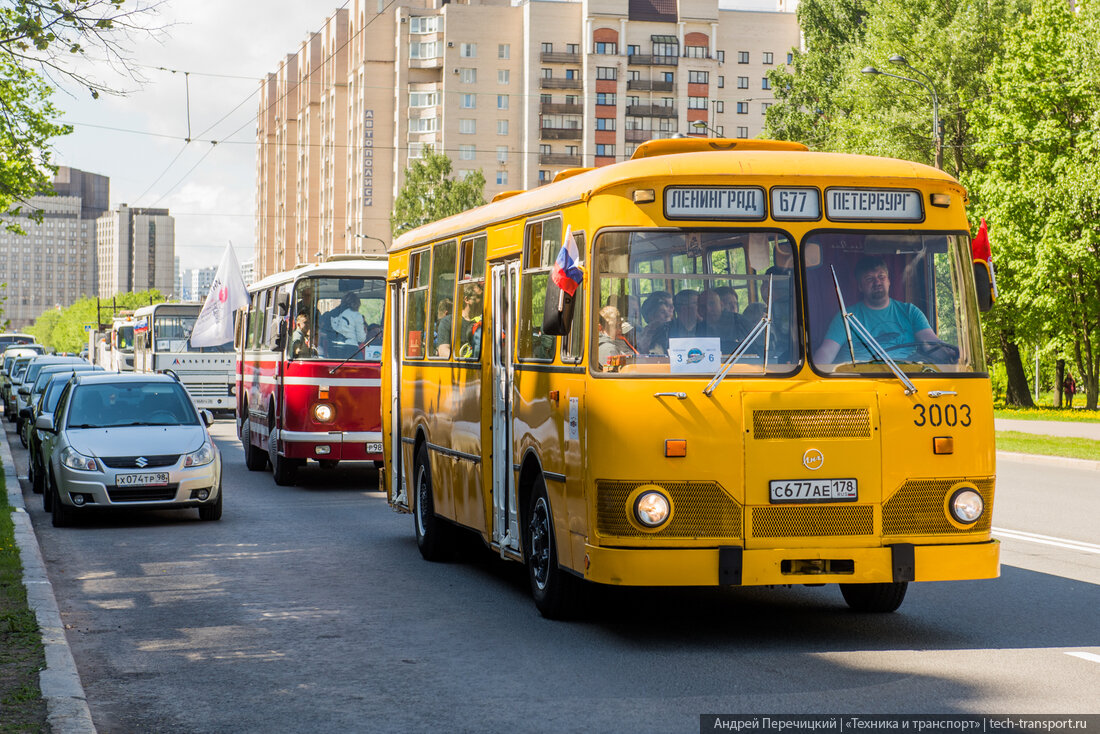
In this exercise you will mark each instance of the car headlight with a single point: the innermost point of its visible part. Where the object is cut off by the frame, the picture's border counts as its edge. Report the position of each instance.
(652, 509)
(202, 457)
(323, 412)
(966, 506)
(78, 461)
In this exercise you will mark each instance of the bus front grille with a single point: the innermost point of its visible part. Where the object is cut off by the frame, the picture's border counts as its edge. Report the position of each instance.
(918, 508)
(700, 510)
(807, 521)
(825, 423)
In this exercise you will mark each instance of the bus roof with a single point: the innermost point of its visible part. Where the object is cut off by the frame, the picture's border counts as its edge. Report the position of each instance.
(685, 157)
(361, 266)
(183, 308)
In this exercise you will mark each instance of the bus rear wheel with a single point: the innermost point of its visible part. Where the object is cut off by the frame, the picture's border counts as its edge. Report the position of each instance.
(556, 592)
(430, 530)
(254, 457)
(875, 598)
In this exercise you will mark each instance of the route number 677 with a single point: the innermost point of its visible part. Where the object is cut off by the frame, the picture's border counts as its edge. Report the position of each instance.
(941, 415)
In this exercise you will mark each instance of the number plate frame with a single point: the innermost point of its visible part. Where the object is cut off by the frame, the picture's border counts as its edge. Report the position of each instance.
(374, 447)
(149, 479)
(810, 491)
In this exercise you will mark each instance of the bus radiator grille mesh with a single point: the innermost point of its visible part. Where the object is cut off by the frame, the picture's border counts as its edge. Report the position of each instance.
(917, 508)
(700, 510)
(825, 423)
(803, 522)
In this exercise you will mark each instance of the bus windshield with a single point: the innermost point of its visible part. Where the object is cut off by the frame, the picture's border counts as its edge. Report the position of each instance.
(910, 293)
(681, 302)
(126, 338)
(171, 333)
(337, 318)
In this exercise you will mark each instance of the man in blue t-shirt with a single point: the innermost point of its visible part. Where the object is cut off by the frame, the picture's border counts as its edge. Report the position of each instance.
(892, 323)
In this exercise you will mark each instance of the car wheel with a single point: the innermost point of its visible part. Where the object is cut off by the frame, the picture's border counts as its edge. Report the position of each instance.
(875, 598)
(282, 468)
(430, 529)
(37, 484)
(213, 510)
(556, 592)
(64, 516)
(47, 495)
(20, 426)
(254, 457)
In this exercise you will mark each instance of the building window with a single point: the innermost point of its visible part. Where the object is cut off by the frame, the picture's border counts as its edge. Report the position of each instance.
(719, 106)
(742, 57)
(546, 99)
(502, 127)
(670, 47)
(765, 84)
(721, 57)
(697, 103)
(466, 152)
(790, 58)
(764, 107)
(426, 50)
(769, 58)
(633, 49)
(696, 52)
(547, 73)
(502, 101)
(504, 50)
(424, 24)
(502, 76)
(468, 76)
(572, 73)
(547, 48)
(720, 131)
(502, 154)
(544, 149)
(605, 98)
(502, 178)
(633, 75)
(423, 99)
(698, 77)
(544, 177)
(467, 50)
(572, 48)
(742, 108)
(468, 101)
(571, 99)
(467, 126)
(608, 49)
(572, 150)
(668, 76)
(605, 149)
(607, 72)
(742, 132)
(721, 82)
(605, 123)
(742, 82)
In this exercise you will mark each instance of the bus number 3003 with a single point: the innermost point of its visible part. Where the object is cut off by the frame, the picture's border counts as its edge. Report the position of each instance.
(941, 415)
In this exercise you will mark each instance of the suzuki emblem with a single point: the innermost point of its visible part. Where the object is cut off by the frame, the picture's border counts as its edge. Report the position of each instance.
(142, 462)
(813, 459)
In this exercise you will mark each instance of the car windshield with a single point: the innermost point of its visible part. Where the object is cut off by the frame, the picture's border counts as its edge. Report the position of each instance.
(681, 302)
(114, 404)
(912, 294)
(335, 317)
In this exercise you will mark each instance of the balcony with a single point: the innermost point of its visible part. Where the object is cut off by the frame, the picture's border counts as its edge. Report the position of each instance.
(638, 136)
(651, 60)
(651, 110)
(553, 57)
(545, 83)
(648, 85)
(561, 133)
(555, 159)
(551, 108)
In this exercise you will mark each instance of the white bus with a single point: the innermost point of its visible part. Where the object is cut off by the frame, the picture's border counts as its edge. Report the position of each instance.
(161, 344)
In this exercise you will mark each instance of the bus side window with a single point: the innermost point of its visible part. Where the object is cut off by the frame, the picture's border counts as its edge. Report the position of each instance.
(541, 249)
(416, 306)
(470, 308)
(441, 313)
(572, 346)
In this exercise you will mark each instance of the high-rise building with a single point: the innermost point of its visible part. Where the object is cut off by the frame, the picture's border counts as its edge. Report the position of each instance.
(248, 274)
(201, 280)
(136, 250)
(519, 89)
(53, 264)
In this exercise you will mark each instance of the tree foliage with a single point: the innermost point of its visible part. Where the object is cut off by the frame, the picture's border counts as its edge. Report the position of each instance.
(63, 329)
(430, 193)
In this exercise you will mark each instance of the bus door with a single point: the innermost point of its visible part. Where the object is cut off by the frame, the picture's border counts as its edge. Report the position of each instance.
(506, 531)
(396, 471)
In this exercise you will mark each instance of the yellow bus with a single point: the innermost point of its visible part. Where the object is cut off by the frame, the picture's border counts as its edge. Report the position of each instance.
(771, 374)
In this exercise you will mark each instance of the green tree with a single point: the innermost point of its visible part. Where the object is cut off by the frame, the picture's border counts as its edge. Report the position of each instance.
(63, 329)
(430, 193)
(1041, 187)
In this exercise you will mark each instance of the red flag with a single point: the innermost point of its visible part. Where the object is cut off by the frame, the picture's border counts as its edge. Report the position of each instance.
(979, 246)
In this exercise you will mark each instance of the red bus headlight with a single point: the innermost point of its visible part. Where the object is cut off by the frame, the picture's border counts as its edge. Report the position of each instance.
(323, 412)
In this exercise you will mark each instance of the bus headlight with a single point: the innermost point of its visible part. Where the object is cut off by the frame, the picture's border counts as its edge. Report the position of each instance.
(323, 413)
(652, 509)
(966, 506)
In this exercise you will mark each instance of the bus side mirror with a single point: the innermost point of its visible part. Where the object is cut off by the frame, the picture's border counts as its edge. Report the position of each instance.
(984, 285)
(280, 335)
(282, 302)
(557, 311)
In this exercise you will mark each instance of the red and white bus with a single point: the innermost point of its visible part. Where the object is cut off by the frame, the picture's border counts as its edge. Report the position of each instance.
(309, 366)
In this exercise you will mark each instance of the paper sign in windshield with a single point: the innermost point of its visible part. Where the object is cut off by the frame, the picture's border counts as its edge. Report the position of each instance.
(699, 354)
(714, 202)
(873, 205)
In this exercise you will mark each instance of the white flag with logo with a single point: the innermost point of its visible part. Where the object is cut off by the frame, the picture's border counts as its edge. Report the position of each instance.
(214, 326)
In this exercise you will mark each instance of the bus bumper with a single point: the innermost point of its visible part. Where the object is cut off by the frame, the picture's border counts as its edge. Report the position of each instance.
(700, 566)
(337, 445)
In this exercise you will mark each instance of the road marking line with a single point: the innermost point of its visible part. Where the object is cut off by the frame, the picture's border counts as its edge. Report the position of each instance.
(1090, 656)
(1076, 545)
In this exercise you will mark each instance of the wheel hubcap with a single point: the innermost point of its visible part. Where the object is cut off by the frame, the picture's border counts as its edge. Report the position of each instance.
(540, 544)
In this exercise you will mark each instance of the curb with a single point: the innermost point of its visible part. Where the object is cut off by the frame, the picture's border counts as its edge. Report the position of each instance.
(1063, 461)
(67, 709)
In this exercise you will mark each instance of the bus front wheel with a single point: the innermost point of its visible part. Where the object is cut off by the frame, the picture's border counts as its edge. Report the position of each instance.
(430, 530)
(877, 598)
(283, 469)
(556, 592)
(254, 457)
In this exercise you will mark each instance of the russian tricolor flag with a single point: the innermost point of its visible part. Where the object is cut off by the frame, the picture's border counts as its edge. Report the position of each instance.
(566, 274)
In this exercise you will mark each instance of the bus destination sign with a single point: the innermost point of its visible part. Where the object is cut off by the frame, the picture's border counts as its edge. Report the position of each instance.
(873, 205)
(714, 202)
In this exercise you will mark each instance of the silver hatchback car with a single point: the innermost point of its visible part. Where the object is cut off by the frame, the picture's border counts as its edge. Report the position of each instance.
(133, 441)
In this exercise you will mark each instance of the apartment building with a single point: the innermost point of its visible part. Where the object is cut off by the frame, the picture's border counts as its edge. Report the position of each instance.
(135, 250)
(53, 264)
(518, 89)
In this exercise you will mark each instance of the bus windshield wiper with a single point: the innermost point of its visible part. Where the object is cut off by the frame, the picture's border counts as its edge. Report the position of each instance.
(763, 325)
(850, 323)
(354, 354)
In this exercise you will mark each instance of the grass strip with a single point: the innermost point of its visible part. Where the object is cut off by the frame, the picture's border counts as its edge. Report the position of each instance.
(1030, 443)
(1072, 415)
(21, 654)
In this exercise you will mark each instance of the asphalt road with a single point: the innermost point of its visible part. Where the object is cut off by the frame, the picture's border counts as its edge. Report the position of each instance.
(308, 609)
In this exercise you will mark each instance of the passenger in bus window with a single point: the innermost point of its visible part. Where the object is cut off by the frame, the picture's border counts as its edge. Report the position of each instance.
(657, 312)
(686, 318)
(301, 344)
(469, 332)
(895, 325)
(348, 324)
(612, 342)
(714, 322)
(442, 339)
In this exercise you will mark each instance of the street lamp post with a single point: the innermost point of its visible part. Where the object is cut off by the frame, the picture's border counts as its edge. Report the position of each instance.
(702, 125)
(376, 239)
(937, 131)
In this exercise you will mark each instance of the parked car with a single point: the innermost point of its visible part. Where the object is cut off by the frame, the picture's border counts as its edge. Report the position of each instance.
(15, 379)
(129, 441)
(46, 405)
(10, 355)
(28, 414)
(23, 392)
